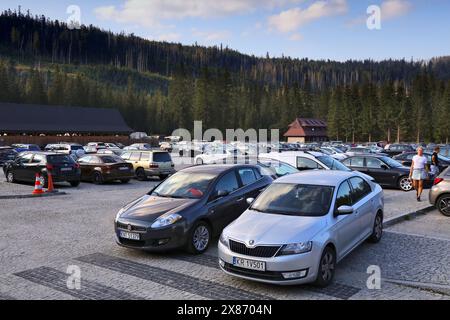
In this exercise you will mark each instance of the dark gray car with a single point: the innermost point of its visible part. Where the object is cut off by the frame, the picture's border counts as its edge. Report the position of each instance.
(189, 208)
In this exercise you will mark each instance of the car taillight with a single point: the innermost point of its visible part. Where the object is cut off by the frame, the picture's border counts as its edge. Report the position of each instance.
(49, 166)
(154, 166)
(77, 165)
(437, 181)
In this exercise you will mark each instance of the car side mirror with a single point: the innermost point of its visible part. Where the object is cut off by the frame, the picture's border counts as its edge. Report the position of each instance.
(385, 167)
(221, 194)
(343, 210)
(250, 200)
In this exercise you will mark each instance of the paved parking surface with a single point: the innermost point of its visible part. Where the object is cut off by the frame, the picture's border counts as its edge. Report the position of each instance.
(42, 237)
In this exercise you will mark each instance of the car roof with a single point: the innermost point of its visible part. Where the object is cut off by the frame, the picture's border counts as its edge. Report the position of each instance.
(318, 177)
(213, 168)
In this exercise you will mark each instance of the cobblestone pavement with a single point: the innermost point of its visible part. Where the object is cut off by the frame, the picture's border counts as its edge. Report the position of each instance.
(42, 237)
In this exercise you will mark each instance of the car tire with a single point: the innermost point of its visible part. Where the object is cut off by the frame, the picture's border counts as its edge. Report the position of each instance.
(443, 204)
(141, 175)
(199, 161)
(327, 267)
(377, 231)
(163, 177)
(97, 178)
(405, 184)
(199, 238)
(124, 181)
(10, 177)
(74, 184)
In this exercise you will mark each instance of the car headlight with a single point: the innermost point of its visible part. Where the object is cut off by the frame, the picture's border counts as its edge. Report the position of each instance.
(296, 248)
(164, 220)
(223, 240)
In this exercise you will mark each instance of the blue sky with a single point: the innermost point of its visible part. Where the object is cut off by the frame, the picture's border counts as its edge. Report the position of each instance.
(314, 29)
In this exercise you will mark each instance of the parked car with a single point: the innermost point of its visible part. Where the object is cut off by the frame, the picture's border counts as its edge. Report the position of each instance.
(105, 168)
(386, 171)
(166, 146)
(406, 159)
(396, 149)
(25, 147)
(150, 163)
(334, 153)
(363, 150)
(7, 154)
(218, 155)
(189, 208)
(27, 164)
(301, 226)
(139, 146)
(73, 149)
(439, 195)
(117, 152)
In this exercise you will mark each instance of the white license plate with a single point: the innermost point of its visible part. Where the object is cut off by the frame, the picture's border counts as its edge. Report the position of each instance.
(249, 264)
(123, 168)
(130, 235)
(66, 169)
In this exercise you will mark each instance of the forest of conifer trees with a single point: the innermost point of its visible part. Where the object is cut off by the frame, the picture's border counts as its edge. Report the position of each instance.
(160, 86)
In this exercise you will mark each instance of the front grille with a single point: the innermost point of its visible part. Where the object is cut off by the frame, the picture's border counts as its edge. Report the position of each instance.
(124, 226)
(260, 251)
(264, 275)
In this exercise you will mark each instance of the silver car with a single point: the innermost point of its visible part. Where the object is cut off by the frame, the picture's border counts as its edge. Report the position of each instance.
(440, 192)
(301, 226)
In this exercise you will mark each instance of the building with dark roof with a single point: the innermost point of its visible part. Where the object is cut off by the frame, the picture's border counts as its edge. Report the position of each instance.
(53, 120)
(307, 130)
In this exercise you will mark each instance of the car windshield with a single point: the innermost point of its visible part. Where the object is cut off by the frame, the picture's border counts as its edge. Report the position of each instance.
(185, 185)
(295, 200)
(60, 159)
(391, 162)
(333, 164)
(276, 168)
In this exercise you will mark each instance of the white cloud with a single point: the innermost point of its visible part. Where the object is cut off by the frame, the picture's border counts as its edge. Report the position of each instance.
(395, 8)
(296, 37)
(292, 19)
(211, 36)
(151, 13)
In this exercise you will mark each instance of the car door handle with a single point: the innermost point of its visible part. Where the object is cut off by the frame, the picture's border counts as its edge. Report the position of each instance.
(240, 199)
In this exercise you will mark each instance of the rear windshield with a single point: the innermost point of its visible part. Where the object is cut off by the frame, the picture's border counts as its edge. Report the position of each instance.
(77, 148)
(161, 157)
(60, 159)
(111, 159)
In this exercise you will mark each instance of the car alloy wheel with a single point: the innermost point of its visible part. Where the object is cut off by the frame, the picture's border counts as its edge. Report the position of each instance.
(10, 176)
(377, 231)
(200, 238)
(405, 184)
(140, 174)
(443, 205)
(326, 268)
(97, 179)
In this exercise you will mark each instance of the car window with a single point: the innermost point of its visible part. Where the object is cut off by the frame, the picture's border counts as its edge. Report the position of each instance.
(60, 159)
(126, 155)
(247, 176)
(145, 156)
(360, 188)
(227, 183)
(95, 160)
(373, 163)
(26, 158)
(38, 158)
(84, 159)
(357, 162)
(135, 156)
(161, 157)
(410, 156)
(111, 159)
(344, 197)
(307, 164)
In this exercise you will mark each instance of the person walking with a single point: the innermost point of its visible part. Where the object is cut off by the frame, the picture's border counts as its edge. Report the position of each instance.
(418, 172)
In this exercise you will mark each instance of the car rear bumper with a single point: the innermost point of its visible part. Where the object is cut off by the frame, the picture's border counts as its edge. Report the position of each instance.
(275, 267)
(157, 172)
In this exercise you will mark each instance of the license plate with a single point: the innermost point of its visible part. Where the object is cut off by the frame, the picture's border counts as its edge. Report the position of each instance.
(123, 168)
(249, 264)
(66, 169)
(130, 235)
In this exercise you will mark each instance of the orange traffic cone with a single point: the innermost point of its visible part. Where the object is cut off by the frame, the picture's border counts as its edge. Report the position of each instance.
(38, 185)
(50, 187)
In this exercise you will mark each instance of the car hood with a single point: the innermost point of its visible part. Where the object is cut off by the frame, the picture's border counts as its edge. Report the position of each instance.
(149, 208)
(274, 229)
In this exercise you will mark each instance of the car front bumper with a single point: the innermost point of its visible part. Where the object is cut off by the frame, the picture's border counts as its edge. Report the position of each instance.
(275, 266)
(154, 240)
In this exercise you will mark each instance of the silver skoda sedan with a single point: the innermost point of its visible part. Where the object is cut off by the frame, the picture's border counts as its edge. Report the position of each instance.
(301, 226)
